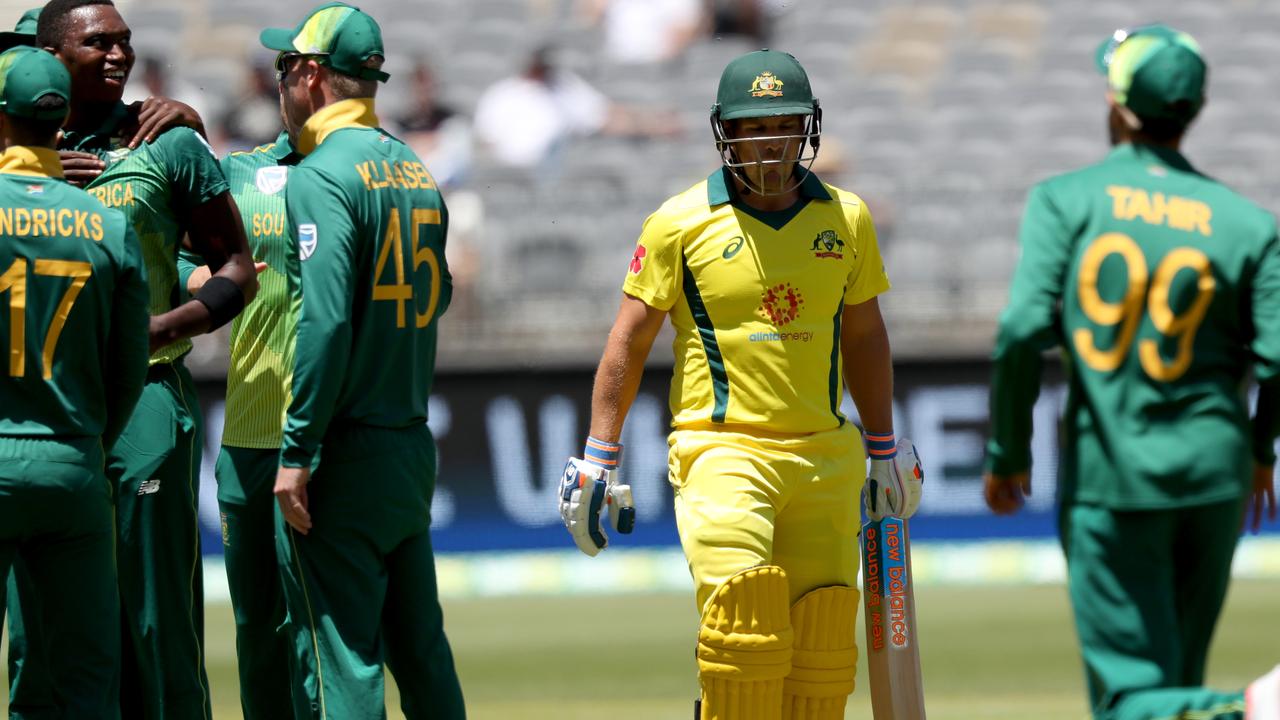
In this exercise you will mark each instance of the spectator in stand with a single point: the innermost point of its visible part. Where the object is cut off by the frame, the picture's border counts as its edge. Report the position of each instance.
(253, 118)
(647, 31)
(525, 120)
(435, 131)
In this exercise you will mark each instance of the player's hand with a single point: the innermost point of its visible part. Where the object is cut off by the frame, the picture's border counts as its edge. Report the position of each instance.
(291, 494)
(585, 490)
(1005, 494)
(1262, 496)
(157, 114)
(80, 168)
(895, 483)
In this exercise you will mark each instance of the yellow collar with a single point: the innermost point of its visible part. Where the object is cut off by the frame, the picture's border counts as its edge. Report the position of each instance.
(26, 160)
(342, 114)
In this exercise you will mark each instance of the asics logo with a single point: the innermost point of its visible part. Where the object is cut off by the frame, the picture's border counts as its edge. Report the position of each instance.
(733, 247)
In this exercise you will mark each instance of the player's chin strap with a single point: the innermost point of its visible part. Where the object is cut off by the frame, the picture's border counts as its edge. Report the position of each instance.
(812, 137)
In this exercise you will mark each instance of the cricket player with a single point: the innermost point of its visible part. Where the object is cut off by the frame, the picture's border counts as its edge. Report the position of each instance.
(1163, 287)
(770, 277)
(357, 463)
(75, 287)
(165, 188)
(257, 387)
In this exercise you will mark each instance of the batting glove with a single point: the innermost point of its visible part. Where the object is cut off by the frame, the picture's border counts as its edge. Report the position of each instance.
(896, 479)
(590, 485)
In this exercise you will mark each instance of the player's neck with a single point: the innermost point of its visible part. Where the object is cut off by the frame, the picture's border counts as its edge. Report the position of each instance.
(767, 203)
(89, 116)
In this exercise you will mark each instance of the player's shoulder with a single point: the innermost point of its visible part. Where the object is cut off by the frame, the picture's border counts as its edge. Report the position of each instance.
(850, 202)
(182, 139)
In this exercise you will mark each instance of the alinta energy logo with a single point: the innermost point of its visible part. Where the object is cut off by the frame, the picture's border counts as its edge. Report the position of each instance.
(781, 305)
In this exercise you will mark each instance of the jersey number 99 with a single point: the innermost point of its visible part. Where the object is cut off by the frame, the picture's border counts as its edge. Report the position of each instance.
(401, 292)
(1127, 312)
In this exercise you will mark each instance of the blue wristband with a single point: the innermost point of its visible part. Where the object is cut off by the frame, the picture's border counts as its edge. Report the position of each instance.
(881, 446)
(605, 454)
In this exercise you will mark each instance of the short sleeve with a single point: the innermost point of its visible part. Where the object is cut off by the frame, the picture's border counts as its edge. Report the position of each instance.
(654, 274)
(867, 277)
(191, 167)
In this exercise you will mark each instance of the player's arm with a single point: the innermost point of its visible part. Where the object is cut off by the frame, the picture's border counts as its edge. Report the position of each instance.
(215, 232)
(1265, 304)
(868, 364)
(622, 365)
(1028, 327)
(127, 344)
(324, 332)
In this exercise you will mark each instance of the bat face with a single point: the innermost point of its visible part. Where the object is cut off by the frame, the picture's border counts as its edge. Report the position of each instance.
(893, 652)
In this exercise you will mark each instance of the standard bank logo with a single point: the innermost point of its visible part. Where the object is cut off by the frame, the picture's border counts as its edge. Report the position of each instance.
(271, 180)
(307, 237)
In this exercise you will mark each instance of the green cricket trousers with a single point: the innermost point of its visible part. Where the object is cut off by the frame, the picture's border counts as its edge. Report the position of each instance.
(246, 505)
(361, 585)
(1147, 588)
(56, 520)
(154, 470)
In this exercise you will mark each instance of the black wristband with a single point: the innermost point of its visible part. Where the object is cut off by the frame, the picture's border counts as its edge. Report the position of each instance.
(224, 299)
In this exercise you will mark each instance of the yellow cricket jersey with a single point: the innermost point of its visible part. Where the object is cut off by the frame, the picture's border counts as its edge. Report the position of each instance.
(756, 300)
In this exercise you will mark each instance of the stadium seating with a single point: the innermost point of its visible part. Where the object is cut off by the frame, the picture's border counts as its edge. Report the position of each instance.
(944, 113)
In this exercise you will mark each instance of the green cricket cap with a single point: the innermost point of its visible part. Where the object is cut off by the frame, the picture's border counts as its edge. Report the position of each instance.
(762, 84)
(28, 74)
(343, 36)
(1155, 71)
(24, 33)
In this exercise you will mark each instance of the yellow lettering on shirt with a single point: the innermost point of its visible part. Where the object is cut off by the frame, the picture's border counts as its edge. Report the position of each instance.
(1179, 213)
(268, 224)
(114, 195)
(58, 222)
(366, 174)
(40, 222)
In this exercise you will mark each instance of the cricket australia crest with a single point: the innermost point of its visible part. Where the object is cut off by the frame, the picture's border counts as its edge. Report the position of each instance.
(766, 84)
(828, 245)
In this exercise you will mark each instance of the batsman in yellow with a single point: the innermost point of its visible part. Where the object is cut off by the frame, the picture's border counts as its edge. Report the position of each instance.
(770, 278)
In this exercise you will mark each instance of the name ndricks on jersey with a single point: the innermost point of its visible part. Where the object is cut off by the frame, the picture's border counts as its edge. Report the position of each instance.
(1179, 213)
(380, 175)
(65, 222)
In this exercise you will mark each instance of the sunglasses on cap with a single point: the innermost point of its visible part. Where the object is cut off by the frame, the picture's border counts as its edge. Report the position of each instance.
(285, 58)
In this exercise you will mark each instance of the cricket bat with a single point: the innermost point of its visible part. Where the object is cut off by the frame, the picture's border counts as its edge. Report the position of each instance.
(893, 643)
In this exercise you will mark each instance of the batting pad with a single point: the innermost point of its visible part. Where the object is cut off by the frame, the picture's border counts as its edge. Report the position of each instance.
(825, 655)
(744, 646)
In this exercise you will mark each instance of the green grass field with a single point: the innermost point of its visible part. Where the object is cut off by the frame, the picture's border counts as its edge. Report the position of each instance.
(990, 653)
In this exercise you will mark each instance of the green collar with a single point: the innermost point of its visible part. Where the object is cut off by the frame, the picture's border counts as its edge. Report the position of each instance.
(356, 113)
(281, 149)
(31, 161)
(1152, 153)
(90, 141)
(720, 188)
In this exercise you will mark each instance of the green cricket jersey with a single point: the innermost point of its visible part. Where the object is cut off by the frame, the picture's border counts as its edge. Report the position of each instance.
(156, 186)
(370, 229)
(261, 335)
(74, 313)
(1164, 288)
